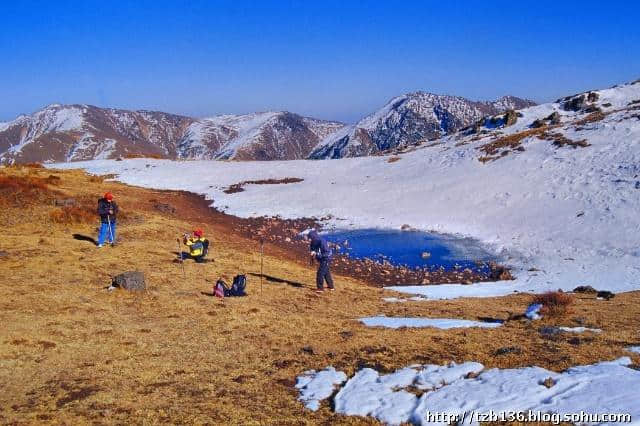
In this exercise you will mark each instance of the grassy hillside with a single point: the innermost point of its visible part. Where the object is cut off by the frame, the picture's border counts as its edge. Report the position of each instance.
(72, 352)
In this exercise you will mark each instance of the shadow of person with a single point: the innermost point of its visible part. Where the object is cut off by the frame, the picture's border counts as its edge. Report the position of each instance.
(182, 256)
(81, 237)
(272, 279)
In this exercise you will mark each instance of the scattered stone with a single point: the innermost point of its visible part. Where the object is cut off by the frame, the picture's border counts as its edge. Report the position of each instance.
(4, 253)
(575, 341)
(548, 382)
(308, 350)
(499, 273)
(585, 289)
(606, 295)
(132, 281)
(510, 118)
(554, 118)
(538, 123)
(592, 97)
(65, 202)
(406, 227)
(164, 208)
(580, 320)
(472, 375)
(575, 103)
(509, 350)
(549, 331)
(580, 214)
(346, 334)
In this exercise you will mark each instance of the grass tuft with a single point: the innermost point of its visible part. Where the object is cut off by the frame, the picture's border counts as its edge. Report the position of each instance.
(554, 303)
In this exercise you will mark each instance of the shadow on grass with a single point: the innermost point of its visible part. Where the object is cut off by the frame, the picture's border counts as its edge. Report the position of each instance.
(271, 279)
(81, 237)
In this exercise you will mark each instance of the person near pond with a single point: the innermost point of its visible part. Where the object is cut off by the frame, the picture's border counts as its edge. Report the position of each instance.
(321, 252)
(108, 210)
(198, 246)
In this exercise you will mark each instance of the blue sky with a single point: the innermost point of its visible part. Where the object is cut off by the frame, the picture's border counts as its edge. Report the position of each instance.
(329, 59)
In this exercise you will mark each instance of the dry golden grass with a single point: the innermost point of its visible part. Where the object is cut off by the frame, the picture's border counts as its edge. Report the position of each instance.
(554, 303)
(73, 353)
(72, 215)
(508, 142)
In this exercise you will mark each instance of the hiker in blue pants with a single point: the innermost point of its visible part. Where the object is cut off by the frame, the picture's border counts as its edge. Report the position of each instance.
(321, 251)
(108, 210)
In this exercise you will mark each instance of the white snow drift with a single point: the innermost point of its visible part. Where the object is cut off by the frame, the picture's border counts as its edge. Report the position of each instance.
(315, 386)
(602, 388)
(442, 323)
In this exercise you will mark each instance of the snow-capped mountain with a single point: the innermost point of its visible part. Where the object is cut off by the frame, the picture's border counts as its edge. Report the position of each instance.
(258, 136)
(410, 119)
(84, 132)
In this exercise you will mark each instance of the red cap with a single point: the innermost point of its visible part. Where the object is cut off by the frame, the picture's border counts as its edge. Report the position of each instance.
(198, 232)
(108, 196)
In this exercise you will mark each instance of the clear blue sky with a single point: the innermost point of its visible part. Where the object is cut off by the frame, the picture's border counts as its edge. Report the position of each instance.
(329, 59)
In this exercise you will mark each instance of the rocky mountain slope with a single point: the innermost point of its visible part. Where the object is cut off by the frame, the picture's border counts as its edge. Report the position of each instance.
(85, 132)
(258, 136)
(410, 119)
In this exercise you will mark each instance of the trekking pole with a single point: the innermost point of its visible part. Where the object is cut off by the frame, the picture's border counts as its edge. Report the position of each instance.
(261, 262)
(184, 275)
(110, 230)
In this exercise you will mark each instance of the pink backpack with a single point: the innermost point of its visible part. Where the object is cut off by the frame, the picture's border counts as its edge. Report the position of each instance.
(219, 289)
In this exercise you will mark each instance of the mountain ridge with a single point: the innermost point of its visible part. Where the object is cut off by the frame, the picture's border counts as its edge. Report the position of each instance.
(75, 132)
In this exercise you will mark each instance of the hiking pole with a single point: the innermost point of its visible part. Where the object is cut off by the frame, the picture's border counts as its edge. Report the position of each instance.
(110, 230)
(184, 276)
(261, 262)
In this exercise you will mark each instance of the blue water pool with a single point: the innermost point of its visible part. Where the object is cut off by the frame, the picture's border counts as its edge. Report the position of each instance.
(410, 248)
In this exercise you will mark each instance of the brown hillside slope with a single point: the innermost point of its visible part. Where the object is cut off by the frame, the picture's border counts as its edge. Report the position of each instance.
(73, 353)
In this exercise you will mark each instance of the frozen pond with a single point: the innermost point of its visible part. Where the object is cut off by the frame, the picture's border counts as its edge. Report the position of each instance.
(410, 248)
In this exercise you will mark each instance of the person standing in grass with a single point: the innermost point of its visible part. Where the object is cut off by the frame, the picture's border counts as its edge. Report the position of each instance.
(108, 210)
(321, 252)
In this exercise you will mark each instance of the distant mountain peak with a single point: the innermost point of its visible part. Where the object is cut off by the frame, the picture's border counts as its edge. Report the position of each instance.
(409, 119)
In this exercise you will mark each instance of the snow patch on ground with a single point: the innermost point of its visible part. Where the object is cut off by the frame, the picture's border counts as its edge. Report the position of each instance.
(454, 291)
(315, 386)
(442, 323)
(579, 329)
(369, 394)
(635, 349)
(605, 387)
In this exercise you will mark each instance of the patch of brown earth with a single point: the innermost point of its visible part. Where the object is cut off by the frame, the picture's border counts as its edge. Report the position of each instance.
(239, 187)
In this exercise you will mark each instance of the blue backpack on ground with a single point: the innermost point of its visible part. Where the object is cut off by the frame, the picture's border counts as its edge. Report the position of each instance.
(238, 287)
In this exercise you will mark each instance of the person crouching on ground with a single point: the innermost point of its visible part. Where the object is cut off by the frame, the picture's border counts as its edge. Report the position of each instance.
(321, 251)
(198, 246)
(108, 210)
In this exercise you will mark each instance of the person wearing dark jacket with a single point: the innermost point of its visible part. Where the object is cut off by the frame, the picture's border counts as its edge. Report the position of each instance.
(321, 252)
(108, 210)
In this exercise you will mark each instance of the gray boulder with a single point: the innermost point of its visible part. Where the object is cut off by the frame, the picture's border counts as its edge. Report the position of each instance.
(132, 280)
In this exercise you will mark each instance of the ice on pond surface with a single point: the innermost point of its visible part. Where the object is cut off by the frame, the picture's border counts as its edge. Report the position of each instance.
(410, 248)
